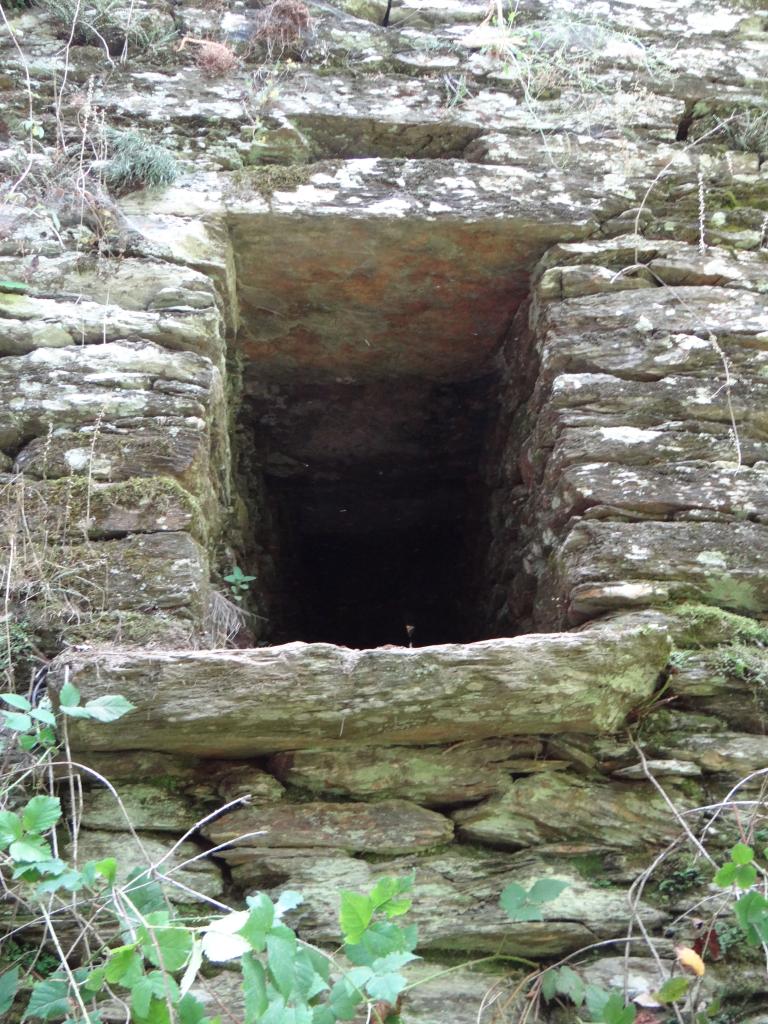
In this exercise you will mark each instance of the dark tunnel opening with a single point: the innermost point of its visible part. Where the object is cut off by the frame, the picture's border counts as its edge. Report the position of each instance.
(377, 501)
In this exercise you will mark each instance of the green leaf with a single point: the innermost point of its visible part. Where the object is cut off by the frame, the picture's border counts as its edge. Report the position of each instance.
(17, 721)
(9, 986)
(43, 715)
(48, 999)
(549, 984)
(672, 990)
(191, 1010)
(546, 889)
(726, 875)
(260, 920)
(107, 868)
(356, 914)
(16, 701)
(71, 880)
(381, 938)
(385, 892)
(124, 967)
(615, 1012)
(95, 980)
(69, 696)
(30, 850)
(157, 1013)
(153, 987)
(145, 896)
(746, 876)
(344, 1000)
(742, 854)
(41, 813)
(386, 986)
(10, 828)
(108, 708)
(569, 984)
(39, 869)
(75, 712)
(308, 982)
(287, 900)
(281, 954)
(163, 944)
(595, 998)
(254, 988)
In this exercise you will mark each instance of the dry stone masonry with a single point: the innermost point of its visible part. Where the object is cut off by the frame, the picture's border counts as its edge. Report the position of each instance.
(442, 324)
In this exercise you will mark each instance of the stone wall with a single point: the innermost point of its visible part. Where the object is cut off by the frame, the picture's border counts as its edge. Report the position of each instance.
(405, 268)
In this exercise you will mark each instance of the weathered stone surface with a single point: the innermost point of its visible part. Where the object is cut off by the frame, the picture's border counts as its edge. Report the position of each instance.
(142, 572)
(29, 323)
(66, 387)
(731, 687)
(148, 807)
(658, 446)
(78, 508)
(732, 754)
(387, 827)
(435, 776)
(207, 784)
(240, 703)
(455, 898)
(559, 808)
(739, 492)
(131, 284)
(202, 875)
(654, 334)
(149, 448)
(599, 563)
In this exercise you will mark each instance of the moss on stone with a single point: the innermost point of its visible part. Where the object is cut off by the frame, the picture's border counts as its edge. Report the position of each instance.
(76, 506)
(707, 626)
(272, 178)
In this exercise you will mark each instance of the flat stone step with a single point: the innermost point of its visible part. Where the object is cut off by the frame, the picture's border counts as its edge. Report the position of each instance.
(244, 703)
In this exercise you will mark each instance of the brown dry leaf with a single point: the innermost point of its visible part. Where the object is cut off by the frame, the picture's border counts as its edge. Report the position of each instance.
(691, 960)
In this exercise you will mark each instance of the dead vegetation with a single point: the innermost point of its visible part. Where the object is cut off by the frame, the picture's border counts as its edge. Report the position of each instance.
(281, 24)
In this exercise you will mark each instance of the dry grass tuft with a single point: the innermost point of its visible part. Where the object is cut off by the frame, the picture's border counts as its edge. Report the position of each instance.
(281, 24)
(216, 59)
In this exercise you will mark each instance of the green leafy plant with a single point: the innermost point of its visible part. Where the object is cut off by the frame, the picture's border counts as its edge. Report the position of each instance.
(525, 905)
(135, 162)
(239, 583)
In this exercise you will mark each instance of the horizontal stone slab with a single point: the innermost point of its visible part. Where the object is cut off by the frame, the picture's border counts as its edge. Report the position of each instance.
(455, 898)
(67, 387)
(740, 492)
(634, 446)
(203, 875)
(558, 808)
(248, 702)
(603, 565)
(654, 333)
(29, 322)
(173, 449)
(76, 507)
(143, 572)
(386, 827)
(726, 684)
(147, 806)
(603, 400)
(132, 284)
(433, 776)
